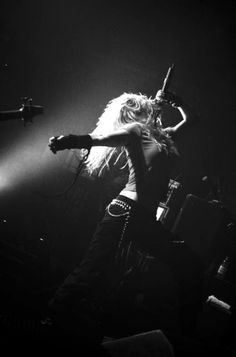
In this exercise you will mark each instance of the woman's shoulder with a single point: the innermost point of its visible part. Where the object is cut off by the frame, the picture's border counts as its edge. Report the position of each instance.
(134, 128)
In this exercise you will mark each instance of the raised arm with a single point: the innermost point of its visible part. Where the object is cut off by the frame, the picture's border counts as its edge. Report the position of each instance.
(187, 114)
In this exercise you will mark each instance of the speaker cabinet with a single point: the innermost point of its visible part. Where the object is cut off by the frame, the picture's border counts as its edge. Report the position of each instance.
(148, 344)
(197, 224)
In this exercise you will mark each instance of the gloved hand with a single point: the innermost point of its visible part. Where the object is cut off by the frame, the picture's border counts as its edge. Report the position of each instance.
(57, 143)
(167, 97)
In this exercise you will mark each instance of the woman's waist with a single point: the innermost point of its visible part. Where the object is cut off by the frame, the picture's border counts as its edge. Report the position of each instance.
(141, 205)
(132, 195)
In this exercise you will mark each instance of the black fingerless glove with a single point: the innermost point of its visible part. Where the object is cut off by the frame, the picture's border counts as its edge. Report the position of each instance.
(173, 99)
(78, 141)
(71, 142)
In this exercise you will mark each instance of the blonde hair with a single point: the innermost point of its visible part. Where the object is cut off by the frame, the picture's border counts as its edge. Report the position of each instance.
(119, 111)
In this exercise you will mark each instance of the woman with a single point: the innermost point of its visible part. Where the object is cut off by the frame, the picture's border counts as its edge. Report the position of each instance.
(128, 236)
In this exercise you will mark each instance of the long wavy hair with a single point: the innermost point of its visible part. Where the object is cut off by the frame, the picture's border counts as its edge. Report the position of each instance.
(125, 109)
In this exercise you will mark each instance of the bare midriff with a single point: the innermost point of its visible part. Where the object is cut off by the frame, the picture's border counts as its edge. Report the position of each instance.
(130, 194)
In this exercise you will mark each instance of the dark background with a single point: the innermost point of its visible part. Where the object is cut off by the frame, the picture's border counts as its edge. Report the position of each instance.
(72, 57)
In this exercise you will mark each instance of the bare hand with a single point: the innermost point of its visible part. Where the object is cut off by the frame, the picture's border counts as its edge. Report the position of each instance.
(169, 130)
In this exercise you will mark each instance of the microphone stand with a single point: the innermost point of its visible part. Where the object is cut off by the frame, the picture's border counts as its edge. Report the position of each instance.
(25, 113)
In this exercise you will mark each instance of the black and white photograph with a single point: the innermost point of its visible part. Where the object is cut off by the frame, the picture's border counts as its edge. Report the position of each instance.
(117, 178)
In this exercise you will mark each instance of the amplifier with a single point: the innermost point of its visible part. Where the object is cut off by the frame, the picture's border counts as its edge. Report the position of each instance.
(197, 223)
(152, 343)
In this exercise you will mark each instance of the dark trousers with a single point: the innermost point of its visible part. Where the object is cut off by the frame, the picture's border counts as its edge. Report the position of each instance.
(123, 249)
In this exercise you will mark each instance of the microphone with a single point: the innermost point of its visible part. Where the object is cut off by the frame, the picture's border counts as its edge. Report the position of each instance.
(168, 78)
(165, 86)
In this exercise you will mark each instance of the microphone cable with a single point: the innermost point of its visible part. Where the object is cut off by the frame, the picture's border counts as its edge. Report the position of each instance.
(62, 193)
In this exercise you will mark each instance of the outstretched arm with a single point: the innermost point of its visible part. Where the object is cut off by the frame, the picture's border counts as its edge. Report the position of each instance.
(120, 137)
